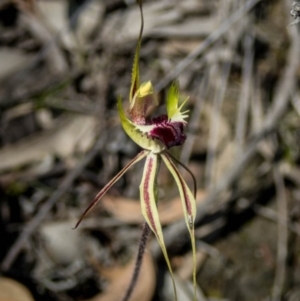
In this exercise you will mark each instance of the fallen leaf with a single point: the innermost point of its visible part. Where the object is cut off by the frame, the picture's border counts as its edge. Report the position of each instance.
(11, 290)
(129, 210)
(120, 277)
(61, 242)
(69, 135)
(12, 60)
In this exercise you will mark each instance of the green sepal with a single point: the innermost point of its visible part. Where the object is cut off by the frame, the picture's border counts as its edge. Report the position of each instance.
(149, 196)
(189, 208)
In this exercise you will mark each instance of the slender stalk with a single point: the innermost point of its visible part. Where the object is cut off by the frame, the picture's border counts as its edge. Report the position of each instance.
(138, 261)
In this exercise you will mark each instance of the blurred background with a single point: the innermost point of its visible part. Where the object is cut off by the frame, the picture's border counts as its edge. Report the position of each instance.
(62, 66)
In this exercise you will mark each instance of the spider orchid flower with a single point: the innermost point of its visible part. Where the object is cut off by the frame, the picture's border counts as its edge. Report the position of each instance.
(155, 136)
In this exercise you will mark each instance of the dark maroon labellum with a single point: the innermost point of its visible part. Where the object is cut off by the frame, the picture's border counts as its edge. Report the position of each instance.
(169, 133)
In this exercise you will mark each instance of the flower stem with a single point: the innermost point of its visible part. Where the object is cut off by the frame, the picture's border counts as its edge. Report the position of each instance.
(138, 261)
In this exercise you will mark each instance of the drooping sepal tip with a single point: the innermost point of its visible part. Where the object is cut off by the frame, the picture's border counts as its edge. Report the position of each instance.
(148, 196)
(189, 208)
(104, 190)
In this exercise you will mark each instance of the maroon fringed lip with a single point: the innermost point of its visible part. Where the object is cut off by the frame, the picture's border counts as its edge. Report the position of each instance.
(170, 133)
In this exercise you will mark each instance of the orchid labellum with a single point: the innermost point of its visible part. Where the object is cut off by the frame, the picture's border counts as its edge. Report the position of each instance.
(155, 136)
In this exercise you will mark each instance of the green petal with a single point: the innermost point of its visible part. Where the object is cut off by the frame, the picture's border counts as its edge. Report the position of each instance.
(103, 191)
(189, 207)
(148, 195)
(139, 133)
(174, 112)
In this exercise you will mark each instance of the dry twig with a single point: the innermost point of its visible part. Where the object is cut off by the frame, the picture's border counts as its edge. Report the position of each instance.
(245, 93)
(282, 235)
